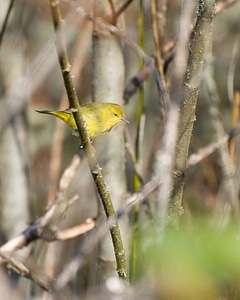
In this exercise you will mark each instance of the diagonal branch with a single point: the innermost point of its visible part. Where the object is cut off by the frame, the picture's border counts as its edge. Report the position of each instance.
(91, 156)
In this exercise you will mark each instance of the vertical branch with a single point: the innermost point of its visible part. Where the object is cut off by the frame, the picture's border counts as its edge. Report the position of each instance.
(198, 49)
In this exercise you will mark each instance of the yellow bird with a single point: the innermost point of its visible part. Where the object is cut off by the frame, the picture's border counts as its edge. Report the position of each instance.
(100, 117)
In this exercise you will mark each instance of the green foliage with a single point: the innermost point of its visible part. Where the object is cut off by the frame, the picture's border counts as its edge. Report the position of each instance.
(197, 263)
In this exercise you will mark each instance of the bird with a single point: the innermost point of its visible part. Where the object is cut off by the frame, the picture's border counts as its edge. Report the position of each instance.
(100, 117)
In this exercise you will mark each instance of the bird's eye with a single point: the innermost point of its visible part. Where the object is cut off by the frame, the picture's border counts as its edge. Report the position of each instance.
(115, 115)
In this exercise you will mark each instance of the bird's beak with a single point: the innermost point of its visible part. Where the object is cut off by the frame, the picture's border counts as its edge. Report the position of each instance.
(125, 120)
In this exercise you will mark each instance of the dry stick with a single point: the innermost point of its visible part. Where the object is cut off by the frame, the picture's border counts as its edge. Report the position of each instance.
(198, 49)
(93, 165)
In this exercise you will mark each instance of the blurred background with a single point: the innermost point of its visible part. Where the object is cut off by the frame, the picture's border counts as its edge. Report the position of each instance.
(35, 149)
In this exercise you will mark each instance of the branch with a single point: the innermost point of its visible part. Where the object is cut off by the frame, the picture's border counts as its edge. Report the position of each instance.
(91, 156)
(198, 49)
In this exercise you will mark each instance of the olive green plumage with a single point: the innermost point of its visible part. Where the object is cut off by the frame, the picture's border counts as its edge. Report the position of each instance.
(100, 117)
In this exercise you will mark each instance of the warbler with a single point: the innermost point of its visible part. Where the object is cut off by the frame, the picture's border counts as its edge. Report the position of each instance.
(100, 117)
